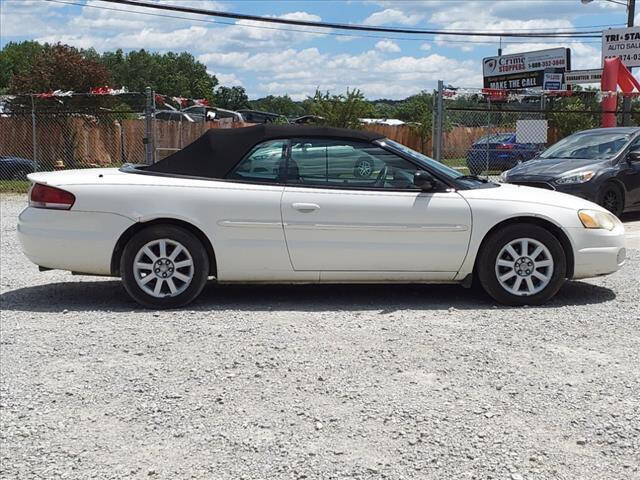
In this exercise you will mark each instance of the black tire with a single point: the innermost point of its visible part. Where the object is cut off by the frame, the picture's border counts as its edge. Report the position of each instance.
(611, 197)
(493, 245)
(189, 242)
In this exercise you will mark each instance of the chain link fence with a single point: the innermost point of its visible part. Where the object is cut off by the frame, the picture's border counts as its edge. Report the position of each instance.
(481, 132)
(475, 131)
(48, 132)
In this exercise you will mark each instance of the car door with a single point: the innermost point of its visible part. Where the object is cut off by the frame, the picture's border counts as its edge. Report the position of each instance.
(630, 176)
(249, 239)
(335, 219)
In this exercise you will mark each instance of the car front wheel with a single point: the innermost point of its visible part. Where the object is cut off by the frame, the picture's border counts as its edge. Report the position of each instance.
(164, 266)
(611, 198)
(522, 264)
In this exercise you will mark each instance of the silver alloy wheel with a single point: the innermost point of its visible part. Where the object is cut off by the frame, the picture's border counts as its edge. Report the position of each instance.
(524, 267)
(364, 169)
(163, 268)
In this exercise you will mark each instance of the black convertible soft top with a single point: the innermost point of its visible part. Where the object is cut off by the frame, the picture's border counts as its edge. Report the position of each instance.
(216, 152)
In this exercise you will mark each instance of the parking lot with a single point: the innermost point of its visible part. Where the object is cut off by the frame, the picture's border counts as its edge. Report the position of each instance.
(266, 382)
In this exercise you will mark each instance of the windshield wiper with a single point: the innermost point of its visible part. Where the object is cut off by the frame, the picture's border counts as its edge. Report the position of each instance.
(472, 177)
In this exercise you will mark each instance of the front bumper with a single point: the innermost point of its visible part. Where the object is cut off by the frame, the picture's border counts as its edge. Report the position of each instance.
(597, 252)
(70, 240)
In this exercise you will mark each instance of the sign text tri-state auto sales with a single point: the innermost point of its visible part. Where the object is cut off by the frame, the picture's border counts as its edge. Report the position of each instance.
(623, 43)
(524, 70)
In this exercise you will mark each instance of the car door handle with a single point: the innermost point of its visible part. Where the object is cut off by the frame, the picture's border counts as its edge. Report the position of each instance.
(305, 207)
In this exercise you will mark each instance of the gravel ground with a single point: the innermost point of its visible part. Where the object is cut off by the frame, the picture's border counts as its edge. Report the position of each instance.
(316, 382)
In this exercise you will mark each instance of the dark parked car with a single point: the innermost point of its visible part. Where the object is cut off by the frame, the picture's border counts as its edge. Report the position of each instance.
(173, 116)
(200, 113)
(601, 165)
(256, 116)
(15, 168)
(499, 151)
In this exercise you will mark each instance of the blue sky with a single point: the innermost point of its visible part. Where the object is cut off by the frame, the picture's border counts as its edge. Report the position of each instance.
(277, 61)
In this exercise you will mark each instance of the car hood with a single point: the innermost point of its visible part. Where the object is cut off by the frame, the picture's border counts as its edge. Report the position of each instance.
(552, 167)
(530, 196)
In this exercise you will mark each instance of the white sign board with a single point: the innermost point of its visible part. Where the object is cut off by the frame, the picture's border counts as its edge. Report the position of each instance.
(524, 70)
(623, 43)
(552, 81)
(583, 76)
(531, 131)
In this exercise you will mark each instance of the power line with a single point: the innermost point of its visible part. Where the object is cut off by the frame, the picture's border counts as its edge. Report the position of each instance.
(308, 32)
(351, 27)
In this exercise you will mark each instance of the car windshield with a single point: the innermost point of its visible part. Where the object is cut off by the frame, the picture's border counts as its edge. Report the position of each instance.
(468, 181)
(588, 145)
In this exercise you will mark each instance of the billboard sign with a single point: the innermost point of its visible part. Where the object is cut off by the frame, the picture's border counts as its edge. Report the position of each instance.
(524, 70)
(577, 77)
(623, 43)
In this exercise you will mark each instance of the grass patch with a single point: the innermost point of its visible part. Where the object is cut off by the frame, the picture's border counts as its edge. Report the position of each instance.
(455, 162)
(14, 186)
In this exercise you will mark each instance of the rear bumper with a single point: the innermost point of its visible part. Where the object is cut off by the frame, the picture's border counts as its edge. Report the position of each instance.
(70, 240)
(598, 252)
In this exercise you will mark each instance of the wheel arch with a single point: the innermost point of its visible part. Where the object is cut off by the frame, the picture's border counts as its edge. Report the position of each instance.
(129, 233)
(554, 229)
(618, 183)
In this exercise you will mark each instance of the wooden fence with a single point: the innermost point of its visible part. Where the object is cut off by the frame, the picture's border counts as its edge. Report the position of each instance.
(86, 140)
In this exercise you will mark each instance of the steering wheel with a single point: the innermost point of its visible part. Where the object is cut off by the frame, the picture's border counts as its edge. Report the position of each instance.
(382, 176)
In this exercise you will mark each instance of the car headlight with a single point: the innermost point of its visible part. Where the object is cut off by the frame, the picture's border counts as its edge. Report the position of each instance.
(598, 219)
(580, 177)
(503, 177)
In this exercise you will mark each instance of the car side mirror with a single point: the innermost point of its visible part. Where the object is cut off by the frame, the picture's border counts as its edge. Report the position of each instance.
(634, 156)
(424, 181)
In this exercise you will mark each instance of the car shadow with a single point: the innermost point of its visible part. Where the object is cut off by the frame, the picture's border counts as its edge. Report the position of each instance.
(110, 296)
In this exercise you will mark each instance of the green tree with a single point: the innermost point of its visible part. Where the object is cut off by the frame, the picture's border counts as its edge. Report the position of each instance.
(231, 98)
(282, 105)
(174, 74)
(416, 107)
(59, 67)
(565, 121)
(344, 110)
(17, 59)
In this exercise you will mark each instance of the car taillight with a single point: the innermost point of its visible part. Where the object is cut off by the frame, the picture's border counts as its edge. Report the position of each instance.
(505, 146)
(44, 196)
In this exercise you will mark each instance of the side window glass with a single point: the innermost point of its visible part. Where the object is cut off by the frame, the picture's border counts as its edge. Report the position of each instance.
(262, 164)
(348, 164)
(635, 145)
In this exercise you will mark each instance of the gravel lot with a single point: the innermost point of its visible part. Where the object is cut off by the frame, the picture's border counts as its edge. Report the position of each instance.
(397, 382)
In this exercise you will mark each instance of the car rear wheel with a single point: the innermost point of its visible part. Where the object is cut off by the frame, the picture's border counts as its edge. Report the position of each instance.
(612, 199)
(522, 264)
(164, 266)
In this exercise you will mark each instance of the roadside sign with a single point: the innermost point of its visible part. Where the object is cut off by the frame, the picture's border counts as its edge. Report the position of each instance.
(576, 77)
(623, 43)
(524, 70)
(552, 81)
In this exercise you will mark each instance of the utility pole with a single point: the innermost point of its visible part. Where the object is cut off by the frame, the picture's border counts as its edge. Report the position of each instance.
(626, 101)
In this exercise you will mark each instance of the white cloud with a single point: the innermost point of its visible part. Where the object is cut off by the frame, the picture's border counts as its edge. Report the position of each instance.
(387, 46)
(227, 79)
(425, 46)
(391, 15)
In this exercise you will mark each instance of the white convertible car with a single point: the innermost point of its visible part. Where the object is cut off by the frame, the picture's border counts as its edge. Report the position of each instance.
(292, 204)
